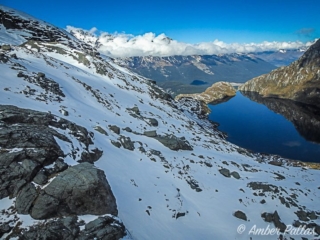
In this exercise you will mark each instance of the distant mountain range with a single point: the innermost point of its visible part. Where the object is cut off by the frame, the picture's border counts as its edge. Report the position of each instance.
(195, 73)
(282, 57)
(178, 74)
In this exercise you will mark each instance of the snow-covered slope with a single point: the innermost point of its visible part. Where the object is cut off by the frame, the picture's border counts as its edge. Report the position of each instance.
(183, 181)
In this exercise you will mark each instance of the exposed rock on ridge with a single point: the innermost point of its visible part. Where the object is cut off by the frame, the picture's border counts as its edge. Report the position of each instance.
(300, 81)
(217, 93)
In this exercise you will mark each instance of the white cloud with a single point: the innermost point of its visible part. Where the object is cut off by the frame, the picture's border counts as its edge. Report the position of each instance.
(126, 45)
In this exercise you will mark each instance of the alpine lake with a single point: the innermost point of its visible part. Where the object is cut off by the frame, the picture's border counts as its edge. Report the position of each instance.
(270, 125)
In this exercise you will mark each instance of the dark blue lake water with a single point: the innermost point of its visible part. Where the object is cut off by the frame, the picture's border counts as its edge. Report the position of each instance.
(255, 126)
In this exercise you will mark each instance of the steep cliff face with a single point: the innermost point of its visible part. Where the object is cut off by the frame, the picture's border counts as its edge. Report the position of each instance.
(300, 81)
(218, 92)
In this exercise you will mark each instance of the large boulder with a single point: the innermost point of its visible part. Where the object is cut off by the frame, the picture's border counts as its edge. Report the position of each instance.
(28, 143)
(81, 189)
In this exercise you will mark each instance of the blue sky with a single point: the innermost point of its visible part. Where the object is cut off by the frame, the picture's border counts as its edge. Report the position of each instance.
(187, 21)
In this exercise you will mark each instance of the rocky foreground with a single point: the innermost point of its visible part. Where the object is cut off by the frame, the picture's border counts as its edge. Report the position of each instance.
(33, 171)
(300, 81)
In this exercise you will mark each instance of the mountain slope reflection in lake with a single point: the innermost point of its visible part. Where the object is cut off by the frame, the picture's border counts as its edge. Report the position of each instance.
(253, 126)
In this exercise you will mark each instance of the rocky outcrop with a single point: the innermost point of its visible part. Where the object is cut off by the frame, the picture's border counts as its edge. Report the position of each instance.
(275, 218)
(300, 81)
(15, 23)
(217, 93)
(195, 106)
(174, 143)
(27, 147)
(81, 189)
(105, 227)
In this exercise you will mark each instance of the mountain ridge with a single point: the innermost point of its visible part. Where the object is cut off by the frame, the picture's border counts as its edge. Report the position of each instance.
(176, 73)
(300, 81)
(168, 170)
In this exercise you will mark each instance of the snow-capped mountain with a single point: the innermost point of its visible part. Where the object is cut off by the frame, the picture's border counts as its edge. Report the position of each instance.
(84, 140)
(178, 73)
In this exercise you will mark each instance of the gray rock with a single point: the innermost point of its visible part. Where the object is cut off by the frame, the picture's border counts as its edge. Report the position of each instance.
(6, 47)
(91, 156)
(312, 215)
(225, 172)
(241, 215)
(142, 149)
(106, 228)
(235, 175)
(45, 206)
(127, 129)
(3, 58)
(64, 112)
(275, 218)
(68, 229)
(31, 167)
(310, 226)
(265, 187)
(136, 110)
(100, 130)
(127, 143)
(180, 214)
(153, 122)
(152, 133)
(174, 143)
(302, 215)
(41, 178)
(114, 129)
(81, 189)
(116, 144)
(19, 168)
(41, 75)
(306, 216)
(60, 166)
(194, 185)
(65, 228)
(4, 228)
(275, 163)
(26, 198)
(21, 134)
(21, 74)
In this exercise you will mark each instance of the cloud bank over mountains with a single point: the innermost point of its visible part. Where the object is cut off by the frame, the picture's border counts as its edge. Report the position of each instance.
(127, 45)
